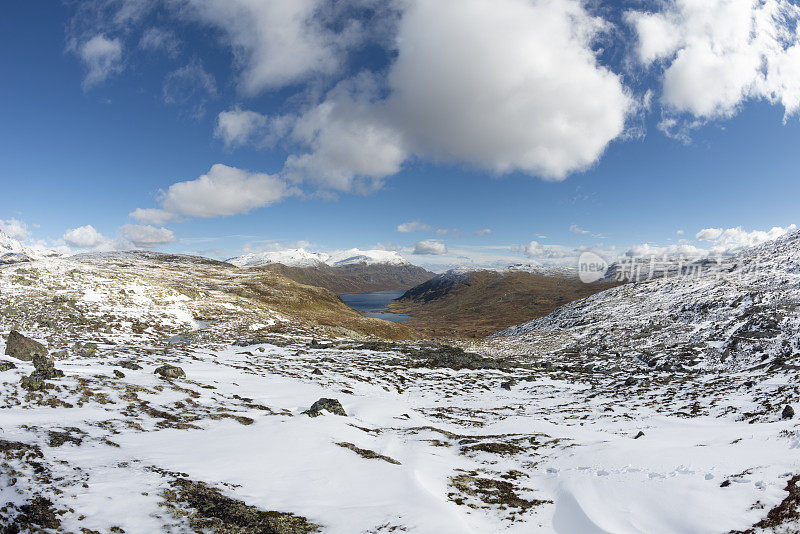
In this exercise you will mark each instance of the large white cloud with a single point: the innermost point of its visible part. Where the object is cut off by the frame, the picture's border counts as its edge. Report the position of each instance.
(503, 84)
(718, 53)
(84, 237)
(275, 42)
(498, 84)
(146, 236)
(430, 246)
(101, 57)
(221, 192)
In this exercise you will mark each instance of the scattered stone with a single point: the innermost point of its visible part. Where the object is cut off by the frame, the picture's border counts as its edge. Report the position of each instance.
(130, 365)
(23, 348)
(330, 405)
(6, 366)
(639, 435)
(725, 484)
(118, 373)
(631, 381)
(455, 358)
(788, 412)
(214, 512)
(316, 371)
(45, 368)
(71, 434)
(508, 384)
(170, 371)
(366, 453)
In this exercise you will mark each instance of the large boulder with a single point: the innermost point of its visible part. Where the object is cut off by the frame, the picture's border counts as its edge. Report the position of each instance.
(23, 348)
(329, 405)
(170, 371)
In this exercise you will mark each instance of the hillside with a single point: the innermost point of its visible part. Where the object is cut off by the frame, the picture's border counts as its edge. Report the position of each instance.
(350, 271)
(164, 295)
(354, 277)
(479, 303)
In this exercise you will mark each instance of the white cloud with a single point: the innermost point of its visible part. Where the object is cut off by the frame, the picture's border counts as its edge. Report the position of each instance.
(274, 43)
(430, 246)
(147, 236)
(680, 232)
(538, 251)
(575, 229)
(413, 226)
(158, 39)
(352, 143)
(15, 229)
(512, 100)
(502, 84)
(224, 191)
(102, 57)
(708, 234)
(153, 215)
(718, 53)
(84, 237)
(483, 232)
(734, 239)
(455, 233)
(238, 127)
(191, 86)
(646, 250)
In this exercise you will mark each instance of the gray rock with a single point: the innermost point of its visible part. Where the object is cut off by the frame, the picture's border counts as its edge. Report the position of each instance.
(631, 381)
(788, 412)
(170, 371)
(128, 364)
(330, 405)
(639, 435)
(23, 348)
(6, 366)
(45, 368)
(508, 384)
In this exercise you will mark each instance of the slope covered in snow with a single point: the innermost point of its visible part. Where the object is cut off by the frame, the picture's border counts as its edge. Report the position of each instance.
(735, 313)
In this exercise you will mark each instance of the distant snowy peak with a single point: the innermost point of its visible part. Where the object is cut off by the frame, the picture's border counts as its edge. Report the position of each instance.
(370, 257)
(9, 244)
(300, 257)
(297, 257)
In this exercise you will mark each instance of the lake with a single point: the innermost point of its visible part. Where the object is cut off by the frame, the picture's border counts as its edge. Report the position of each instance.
(371, 304)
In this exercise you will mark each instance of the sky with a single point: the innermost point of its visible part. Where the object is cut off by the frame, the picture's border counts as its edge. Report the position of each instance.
(478, 132)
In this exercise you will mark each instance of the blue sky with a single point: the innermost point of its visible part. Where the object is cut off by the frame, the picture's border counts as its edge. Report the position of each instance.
(105, 105)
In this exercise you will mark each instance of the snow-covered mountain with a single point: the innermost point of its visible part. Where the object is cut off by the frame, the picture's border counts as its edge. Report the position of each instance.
(12, 251)
(737, 312)
(300, 257)
(296, 257)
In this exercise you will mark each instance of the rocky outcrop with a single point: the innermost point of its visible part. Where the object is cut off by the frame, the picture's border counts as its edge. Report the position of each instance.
(23, 348)
(329, 405)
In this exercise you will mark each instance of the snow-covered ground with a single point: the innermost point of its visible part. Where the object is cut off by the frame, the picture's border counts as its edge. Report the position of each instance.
(617, 414)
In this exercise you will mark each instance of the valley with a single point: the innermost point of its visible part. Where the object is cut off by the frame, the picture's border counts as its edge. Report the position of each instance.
(189, 395)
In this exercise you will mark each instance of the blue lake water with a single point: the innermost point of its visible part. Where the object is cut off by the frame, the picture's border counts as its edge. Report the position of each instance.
(371, 304)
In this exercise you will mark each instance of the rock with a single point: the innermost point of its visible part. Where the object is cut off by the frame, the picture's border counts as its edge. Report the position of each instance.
(639, 435)
(316, 372)
(508, 384)
(118, 373)
(23, 348)
(788, 412)
(32, 382)
(631, 381)
(170, 371)
(6, 366)
(725, 484)
(330, 405)
(45, 368)
(128, 364)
